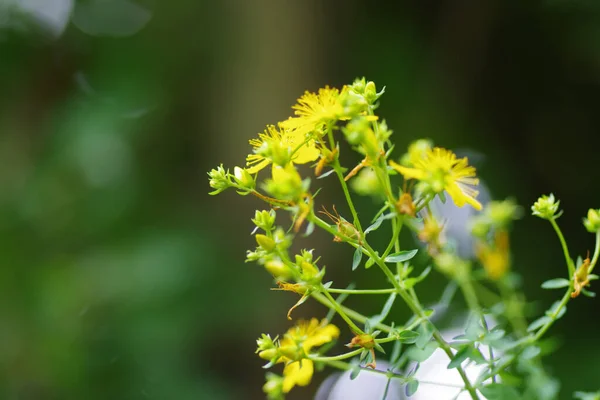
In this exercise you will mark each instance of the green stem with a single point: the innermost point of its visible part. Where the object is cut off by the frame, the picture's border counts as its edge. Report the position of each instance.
(563, 243)
(362, 291)
(596, 253)
(341, 312)
(338, 171)
(548, 324)
(347, 366)
(418, 311)
(473, 303)
(349, 312)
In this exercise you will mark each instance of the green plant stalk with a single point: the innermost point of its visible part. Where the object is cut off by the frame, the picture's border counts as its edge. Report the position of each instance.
(596, 254)
(565, 249)
(338, 171)
(362, 291)
(347, 366)
(466, 287)
(349, 312)
(418, 311)
(341, 312)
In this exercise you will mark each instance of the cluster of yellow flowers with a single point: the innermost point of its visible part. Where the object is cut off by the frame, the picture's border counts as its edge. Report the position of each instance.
(428, 173)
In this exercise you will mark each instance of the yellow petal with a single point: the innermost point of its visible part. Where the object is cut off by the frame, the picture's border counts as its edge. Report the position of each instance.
(408, 173)
(257, 167)
(460, 198)
(322, 336)
(294, 374)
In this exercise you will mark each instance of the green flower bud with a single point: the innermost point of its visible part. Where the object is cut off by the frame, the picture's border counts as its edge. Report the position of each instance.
(370, 92)
(244, 178)
(363, 340)
(265, 242)
(219, 180)
(264, 343)
(592, 222)
(273, 388)
(366, 183)
(502, 213)
(278, 269)
(451, 264)
(359, 85)
(264, 219)
(546, 207)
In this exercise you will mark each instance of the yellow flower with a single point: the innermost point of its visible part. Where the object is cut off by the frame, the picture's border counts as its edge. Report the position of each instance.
(441, 170)
(279, 145)
(315, 109)
(304, 336)
(495, 258)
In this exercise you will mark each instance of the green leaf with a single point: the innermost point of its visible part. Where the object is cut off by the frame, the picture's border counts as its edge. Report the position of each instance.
(396, 350)
(586, 396)
(408, 337)
(530, 352)
(401, 256)
(552, 311)
(355, 371)
(555, 283)
(411, 387)
(375, 225)
(385, 311)
(420, 355)
(326, 174)
(493, 336)
(357, 258)
(588, 293)
(425, 331)
(410, 282)
(370, 262)
(538, 323)
(460, 356)
(497, 391)
(309, 229)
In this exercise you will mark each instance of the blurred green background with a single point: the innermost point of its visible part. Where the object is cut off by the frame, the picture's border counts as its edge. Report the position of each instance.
(122, 279)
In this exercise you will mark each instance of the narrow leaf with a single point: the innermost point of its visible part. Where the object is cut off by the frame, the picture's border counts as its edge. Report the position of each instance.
(375, 225)
(357, 258)
(555, 283)
(425, 333)
(326, 174)
(411, 387)
(401, 256)
(460, 356)
(408, 337)
(538, 323)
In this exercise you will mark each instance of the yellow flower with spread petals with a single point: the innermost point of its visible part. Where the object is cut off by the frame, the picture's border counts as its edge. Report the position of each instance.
(315, 109)
(303, 337)
(278, 145)
(441, 170)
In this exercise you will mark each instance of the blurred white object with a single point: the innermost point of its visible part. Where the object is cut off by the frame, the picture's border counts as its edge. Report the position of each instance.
(52, 15)
(366, 386)
(436, 381)
(115, 18)
(433, 374)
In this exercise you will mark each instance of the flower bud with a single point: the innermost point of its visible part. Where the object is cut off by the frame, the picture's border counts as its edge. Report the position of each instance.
(264, 219)
(244, 178)
(219, 180)
(546, 207)
(371, 92)
(268, 354)
(366, 183)
(273, 388)
(265, 242)
(592, 222)
(278, 269)
(363, 340)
